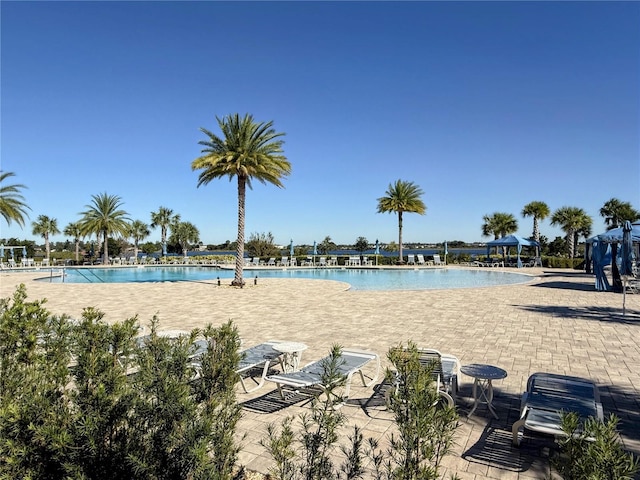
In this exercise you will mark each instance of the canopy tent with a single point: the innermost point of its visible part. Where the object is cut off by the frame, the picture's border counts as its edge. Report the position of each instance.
(512, 241)
(602, 241)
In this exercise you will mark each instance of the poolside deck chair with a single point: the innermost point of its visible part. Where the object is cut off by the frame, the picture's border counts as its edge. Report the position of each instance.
(445, 372)
(271, 262)
(255, 362)
(333, 261)
(284, 262)
(255, 262)
(411, 260)
(420, 259)
(322, 262)
(437, 261)
(548, 395)
(352, 361)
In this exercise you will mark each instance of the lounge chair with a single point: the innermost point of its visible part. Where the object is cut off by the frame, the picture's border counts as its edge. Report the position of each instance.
(420, 259)
(322, 262)
(351, 361)
(271, 262)
(550, 394)
(259, 358)
(333, 261)
(411, 260)
(445, 371)
(437, 261)
(284, 262)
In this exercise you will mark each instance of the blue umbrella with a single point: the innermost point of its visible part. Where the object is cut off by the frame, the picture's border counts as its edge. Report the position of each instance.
(377, 251)
(315, 248)
(291, 249)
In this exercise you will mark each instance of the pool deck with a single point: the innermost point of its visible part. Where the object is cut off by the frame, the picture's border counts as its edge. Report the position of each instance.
(556, 323)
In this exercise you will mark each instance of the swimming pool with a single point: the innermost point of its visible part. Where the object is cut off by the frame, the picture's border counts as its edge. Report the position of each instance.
(358, 279)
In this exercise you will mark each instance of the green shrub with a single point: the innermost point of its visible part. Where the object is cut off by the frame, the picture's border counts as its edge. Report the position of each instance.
(592, 450)
(563, 262)
(84, 399)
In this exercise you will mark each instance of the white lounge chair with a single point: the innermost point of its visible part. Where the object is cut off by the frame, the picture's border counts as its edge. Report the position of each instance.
(437, 261)
(351, 361)
(411, 260)
(333, 261)
(547, 396)
(420, 259)
(322, 262)
(254, 364)
(271, 262)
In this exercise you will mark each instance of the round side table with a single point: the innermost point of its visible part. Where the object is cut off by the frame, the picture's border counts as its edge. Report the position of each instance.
(483, 376)
(292, 354)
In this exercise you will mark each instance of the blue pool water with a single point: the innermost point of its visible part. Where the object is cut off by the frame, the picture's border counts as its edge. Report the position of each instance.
(358, 279)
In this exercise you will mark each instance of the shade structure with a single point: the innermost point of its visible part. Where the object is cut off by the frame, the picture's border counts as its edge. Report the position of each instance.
(614, 236)
(315, 247)
(512, 241)
(291, 249)
(599, 251)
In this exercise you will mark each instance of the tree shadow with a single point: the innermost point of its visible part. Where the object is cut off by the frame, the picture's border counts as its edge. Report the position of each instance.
(599, 314)
(583, 287)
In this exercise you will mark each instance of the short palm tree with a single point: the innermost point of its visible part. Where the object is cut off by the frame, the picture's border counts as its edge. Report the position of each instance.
(539, 211)
(499, 224)
(185, 234)
(73, 230)
(401, 197)
(12, 206)
(571, 220)
(616, 212)
(45, 226)
(164, 218)
(104, 216)
(138, 230)
(247, 150)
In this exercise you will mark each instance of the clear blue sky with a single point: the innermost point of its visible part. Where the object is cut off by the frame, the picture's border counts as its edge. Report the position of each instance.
(487, 106)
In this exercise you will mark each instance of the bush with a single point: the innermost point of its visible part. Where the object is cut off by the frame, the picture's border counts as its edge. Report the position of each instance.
(563, 262)
(592, 450)
(84, 399)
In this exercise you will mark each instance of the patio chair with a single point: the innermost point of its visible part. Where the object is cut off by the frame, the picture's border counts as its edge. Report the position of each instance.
(445, 372)
(284, 262)
(351, 361)
(333, 261)
(254, 364)
(271, 262)
(420, 259)
(322, 262)
(547, 396)
(411, 259)
(437, 261)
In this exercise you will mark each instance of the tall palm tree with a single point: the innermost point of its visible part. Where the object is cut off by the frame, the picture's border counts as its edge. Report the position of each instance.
(402, 197)
(104, 216)
(539, 211)
(138, 230)
(185, 234)
(45, 226)
(12, 206)
(571, 220)
(616, 212)
(74, 230)
(163, 218)
(247, 150)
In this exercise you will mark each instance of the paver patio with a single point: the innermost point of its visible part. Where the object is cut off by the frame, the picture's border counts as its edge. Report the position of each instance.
(555, 323)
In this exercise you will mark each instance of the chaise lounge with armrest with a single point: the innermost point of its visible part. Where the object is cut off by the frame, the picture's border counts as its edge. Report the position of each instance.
(352, 361)
(548, 395)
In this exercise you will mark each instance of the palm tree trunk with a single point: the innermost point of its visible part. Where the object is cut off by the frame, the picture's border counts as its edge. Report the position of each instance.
(47, 246)
(105, 258)
(400, 257)
(570, 241)
(77, 251)
(238, 281)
